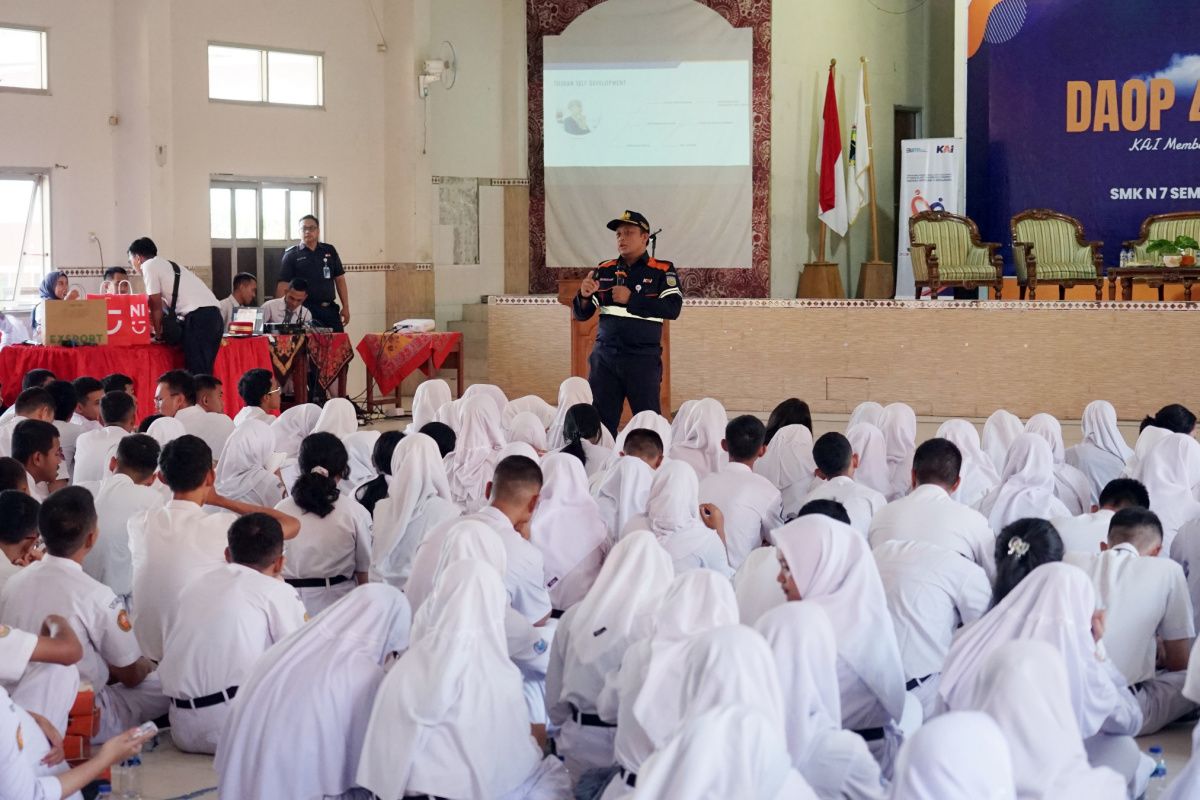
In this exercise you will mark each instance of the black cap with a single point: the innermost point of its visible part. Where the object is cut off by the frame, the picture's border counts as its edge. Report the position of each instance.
(630, 218)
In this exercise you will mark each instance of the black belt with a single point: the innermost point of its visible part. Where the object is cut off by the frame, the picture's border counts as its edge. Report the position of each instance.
(871, 734)
(315, 583)
(915, 682)
(630, 778)
(589, 720)
(556, 613)
(214, 699)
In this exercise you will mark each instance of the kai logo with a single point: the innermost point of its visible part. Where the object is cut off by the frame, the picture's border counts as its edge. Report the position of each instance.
(945, 148)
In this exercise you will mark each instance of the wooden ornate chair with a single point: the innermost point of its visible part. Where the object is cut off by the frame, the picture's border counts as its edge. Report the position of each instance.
(1049, 247)
(1164, 226)
(946, 252)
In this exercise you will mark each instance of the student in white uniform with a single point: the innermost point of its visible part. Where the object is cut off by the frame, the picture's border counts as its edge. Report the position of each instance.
(1187, 783)
(1070, 485)
(999, 432)
(788, 464)
(34, 379)
(468, 468)
(490, 391)
(755, 585)
(959, 754)
(248, 469)
(289, 309)
(693, 535)
(429, 396)
(35, 447)
(623, 491)
(449, 718)
(930, 514)
(645, 420)
(373, 491)
(35, 403)
(899, 425)
(591, 641)
(175, 397)
(1102, 454)
(978, 475)
(1173, 418)
(292, 426)
(1148, 612)
(38, 670)
(172, 545)
(18, 533)
(359, 447)
(827, 562)
(88, 391)
(836, 465)
(228, 617)
(332, 554)
(65, 401)
(526, 427)
(567, 528)
(751, 505)
(244, 294)
(124, 494)
(700, 442)
(1171, 472)
(215, 426)
(585, 439)
(1026, 487)
(1022, 547)
(529, 404)
(260, 392)
(867, 443)
(1087, 533)
(58, 585)
(314, 688)
(571, 392)
(118, 411)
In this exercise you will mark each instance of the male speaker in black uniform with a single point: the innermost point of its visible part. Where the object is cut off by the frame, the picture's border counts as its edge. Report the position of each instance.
(317, 263)
(634, 294)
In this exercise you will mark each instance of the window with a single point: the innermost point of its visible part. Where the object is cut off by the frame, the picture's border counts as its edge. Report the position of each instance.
(23, 59)
(24, 234)
(255, 75)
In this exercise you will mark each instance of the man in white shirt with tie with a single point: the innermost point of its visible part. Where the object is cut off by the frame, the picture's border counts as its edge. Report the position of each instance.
(289, 309)
(261, 394)
(836, 462)
(94, 449)
(1087, 533)
(243, 295)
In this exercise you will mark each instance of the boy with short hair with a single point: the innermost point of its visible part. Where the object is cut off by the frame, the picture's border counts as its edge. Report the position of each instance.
(34, 379)
(32, 403)
(117, 382)
(1087, 533)
(65, 401)
(18, 532)
(207, 418)
(88, 390)
(836, 462)
(35, 446)
(261, 394)
(13, 476)
(118, 411)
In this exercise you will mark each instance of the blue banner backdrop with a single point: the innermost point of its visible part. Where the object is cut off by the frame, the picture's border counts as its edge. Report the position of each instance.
(1089, 107)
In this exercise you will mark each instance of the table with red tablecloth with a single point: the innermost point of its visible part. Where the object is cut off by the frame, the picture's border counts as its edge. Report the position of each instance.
(326, 354)
(144, 363)
(392, 357)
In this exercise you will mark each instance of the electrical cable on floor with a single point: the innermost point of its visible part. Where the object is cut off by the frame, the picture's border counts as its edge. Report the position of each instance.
(197, 793)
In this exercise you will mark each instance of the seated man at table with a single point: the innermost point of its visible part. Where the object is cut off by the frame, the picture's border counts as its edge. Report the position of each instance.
(116, 276)
(289, 309)
(118, 412)
(245, 292)
(260, 393)
(35, 403)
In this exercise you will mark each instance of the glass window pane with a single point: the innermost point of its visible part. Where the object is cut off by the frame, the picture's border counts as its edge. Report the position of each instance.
(36, 258)
(246, 201)
(234, 73)
(14, 210)
(22, 61)
(274, 214)
(294, 78)
(302, 203)
(219, 201)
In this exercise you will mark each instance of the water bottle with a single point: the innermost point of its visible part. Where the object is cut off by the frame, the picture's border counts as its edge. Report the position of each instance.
(1124, 257)
(105, 791)
(127, 780)
(1157, 787)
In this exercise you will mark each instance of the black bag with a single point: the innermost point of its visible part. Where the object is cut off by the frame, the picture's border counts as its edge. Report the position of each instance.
(172, 327)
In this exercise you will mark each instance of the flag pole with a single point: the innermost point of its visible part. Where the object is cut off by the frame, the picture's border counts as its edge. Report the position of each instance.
(820, 224)
(875, 279)
(871, 164)
(821, 278)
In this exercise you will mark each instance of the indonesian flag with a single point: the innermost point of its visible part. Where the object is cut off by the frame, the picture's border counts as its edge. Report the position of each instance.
(830, 169)
(858, 193)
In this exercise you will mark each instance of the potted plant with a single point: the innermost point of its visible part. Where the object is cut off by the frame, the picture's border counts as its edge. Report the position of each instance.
(1175, 252)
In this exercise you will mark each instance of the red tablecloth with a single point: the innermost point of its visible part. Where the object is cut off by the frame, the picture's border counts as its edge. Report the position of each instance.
(143, 363)
(328, 354)
(392, 357)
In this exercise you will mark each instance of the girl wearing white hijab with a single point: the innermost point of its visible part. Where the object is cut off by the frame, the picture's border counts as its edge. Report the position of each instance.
(360, 446)
(245, 470)
(680, 420)
(531, 404)
(430, 396)
(591, 640)
(960, 754)
(1147, 440)
(756, 584)
(316, 687)
(572, 391)
(673, 516)
(337, 417)
(835, 762)
(1187, 784)
(450, 414)
(826, 562)
(526, 427)
(1001, 428)
(899, 425)
(1026, 485)
(643, 696)
(470, 466)
(418, 500)
(491, 392)
(1025, 690)
(567, 528)
(867, 442)
(449, 718)
(1102, 454)
(1070, 485)
(866, 413)
(622, 493)
(650, 420)
(1171, 474)
(518, 449)
(290, 428)
(789, 465)
(700, 443)
(977, 476)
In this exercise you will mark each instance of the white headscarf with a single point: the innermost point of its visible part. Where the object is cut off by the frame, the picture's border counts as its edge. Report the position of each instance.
(566, 524)
(899, 425)
(450, 716)
(1187, 784)
(959, 754)
(1025, 690)
(417, 475)
(1171, 473)
(649, 420)
(572, 391)
(756, 584)
(490, 391)
(467, 540)
(1150, 436)
(865, 413)
(360, 446)
(1001, 428)
(470, 466)
(165, 430)
(1053, 604)
(789, 465)
(450, 414)
(700, 444)
(673, 505)
(867, 441)
(1026, 486)
(430, 396)
(730, 665)
(320, 680)
(977, 476)
(832, 567)
(243, 468)
(518, 449)
(680, 420)
(1102, 454)
(292, 426)
(337, 417)
(623, 492)
(532, 404)
(1070, 485)
(526, 427)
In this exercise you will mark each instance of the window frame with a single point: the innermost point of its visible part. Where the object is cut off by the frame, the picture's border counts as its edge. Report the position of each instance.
(264, 75)
(45, 32)
(43, 176)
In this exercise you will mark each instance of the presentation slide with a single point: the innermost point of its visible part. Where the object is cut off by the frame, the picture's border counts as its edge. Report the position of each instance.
(647, 114)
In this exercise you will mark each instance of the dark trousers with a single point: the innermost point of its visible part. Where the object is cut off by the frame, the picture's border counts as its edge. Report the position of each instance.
(202, 332)
(616, 377)
(329, 316)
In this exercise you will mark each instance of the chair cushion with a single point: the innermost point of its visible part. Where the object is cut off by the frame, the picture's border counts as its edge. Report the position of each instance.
(1055, 246)
(967, 272)
(1059, 272)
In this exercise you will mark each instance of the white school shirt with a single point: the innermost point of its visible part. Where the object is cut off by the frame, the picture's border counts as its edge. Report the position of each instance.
(862, 502)
(210, 426)
(88, 425)
(695, 547)
(276, 311)
(398, 566)
(16, 648)
(60, 586)
(159, 278)
(7, 570)
(751, 504)
(38, 490)
(226, 306)
(68, 438)
(929, 514)
(337, 544)
(1144, 598)
(931, 591)
(1084, 533)
(18, 779)
(93, 451)
(252, 412)
(170, 546)
(227, 619)
(118, 499)
(1185, 551)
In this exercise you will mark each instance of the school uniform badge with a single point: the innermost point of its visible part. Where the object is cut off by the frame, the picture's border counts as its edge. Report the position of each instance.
(4, 631)
(672, 280)
(123, 621)
(20, 739)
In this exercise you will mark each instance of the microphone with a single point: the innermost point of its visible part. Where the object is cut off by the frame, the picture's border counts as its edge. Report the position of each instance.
(654, 241)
